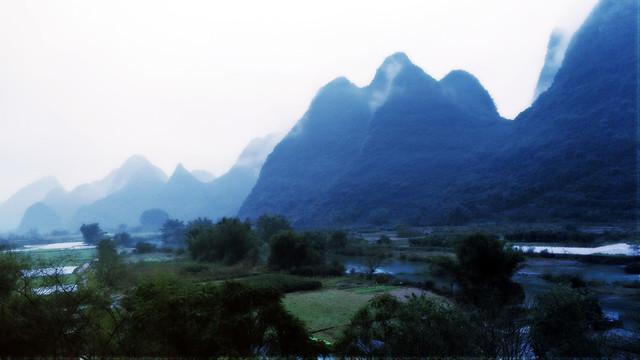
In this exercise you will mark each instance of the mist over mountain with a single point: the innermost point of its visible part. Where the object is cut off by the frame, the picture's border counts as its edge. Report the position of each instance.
(12, 210)
(138, 184)
(558, 42)
(125, 193)
(359, 147)
(408, 148)
(574, 152)
(203, 175)
(231, 189)
(41, 217)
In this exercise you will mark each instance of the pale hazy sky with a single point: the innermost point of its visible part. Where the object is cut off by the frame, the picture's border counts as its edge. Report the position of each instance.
(86, 84)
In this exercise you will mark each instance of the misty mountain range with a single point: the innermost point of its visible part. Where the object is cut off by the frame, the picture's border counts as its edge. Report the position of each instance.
(125, 193)
(410, 149)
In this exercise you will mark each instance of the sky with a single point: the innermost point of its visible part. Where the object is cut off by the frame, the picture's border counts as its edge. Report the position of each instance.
(84, 85)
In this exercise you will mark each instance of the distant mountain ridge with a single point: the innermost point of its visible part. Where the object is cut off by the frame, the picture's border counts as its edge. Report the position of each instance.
(125, 193)
(407, 148)
(11, 211)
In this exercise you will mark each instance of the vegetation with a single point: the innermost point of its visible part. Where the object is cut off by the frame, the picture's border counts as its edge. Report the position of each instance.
(282, 282)
(269, 225)
(91, 233)
(294, 253)
(153, 219)
(229, 241)
(168, 318)
(173, 232)
(139, 305)
(387, 327)
(572, 236)
(560, 322)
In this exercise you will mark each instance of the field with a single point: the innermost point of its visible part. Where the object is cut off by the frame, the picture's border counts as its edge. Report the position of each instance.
(326, 312)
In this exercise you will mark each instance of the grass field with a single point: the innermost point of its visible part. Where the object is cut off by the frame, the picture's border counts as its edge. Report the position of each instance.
(60, 257)
(325, 312)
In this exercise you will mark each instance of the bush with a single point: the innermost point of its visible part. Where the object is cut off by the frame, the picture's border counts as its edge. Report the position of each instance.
(574, 280)
(560, 323)
(384, 241)
(282, 282)
(143, 247)
(419, 327)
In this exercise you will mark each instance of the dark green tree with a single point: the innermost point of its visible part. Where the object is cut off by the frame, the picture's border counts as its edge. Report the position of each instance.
(143, 247)
(91, 233)
(560, 321)
(110, 268)
(197, 226)
(384, 240)
(289, 251)
(484, 271)
(419, 327)
(228, 241)
(152, 219)
(337, 240)
(269, 225)
(173, 232)
(122, 238)
(171, 318)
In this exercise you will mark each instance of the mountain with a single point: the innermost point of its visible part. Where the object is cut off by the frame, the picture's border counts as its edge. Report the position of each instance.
(203, 175)
(230, 190)
(12, 210)
(558, 42)
(360, 152)
(129, 189)
(182, 196)
(574, 152)
(41, 217)
(408, 148)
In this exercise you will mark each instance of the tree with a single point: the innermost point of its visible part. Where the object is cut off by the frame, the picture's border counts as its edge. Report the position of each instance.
(483, 274)
(52, 314)
(197, 226)
(110, 269)
(560, 323)
(152, 219)
(337, 240)
(289, 250)
(419, 327)
(384, 240)
(269, 225)
(143, 247)
(169, 317)
(173, 232)
(122, 238)
(484, 271)
(228, 241)
(91, 233)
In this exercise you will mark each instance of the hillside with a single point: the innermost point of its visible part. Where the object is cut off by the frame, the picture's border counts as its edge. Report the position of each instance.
(408, 148)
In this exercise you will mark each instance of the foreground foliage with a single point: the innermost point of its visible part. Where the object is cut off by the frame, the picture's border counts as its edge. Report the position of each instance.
(419, 327)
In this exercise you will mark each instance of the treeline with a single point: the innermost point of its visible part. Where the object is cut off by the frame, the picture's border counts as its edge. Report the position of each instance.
(483, 314)
(101, 311)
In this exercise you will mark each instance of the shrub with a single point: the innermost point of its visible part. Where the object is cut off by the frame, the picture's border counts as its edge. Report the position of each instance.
(143, 247)
(282, 282)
